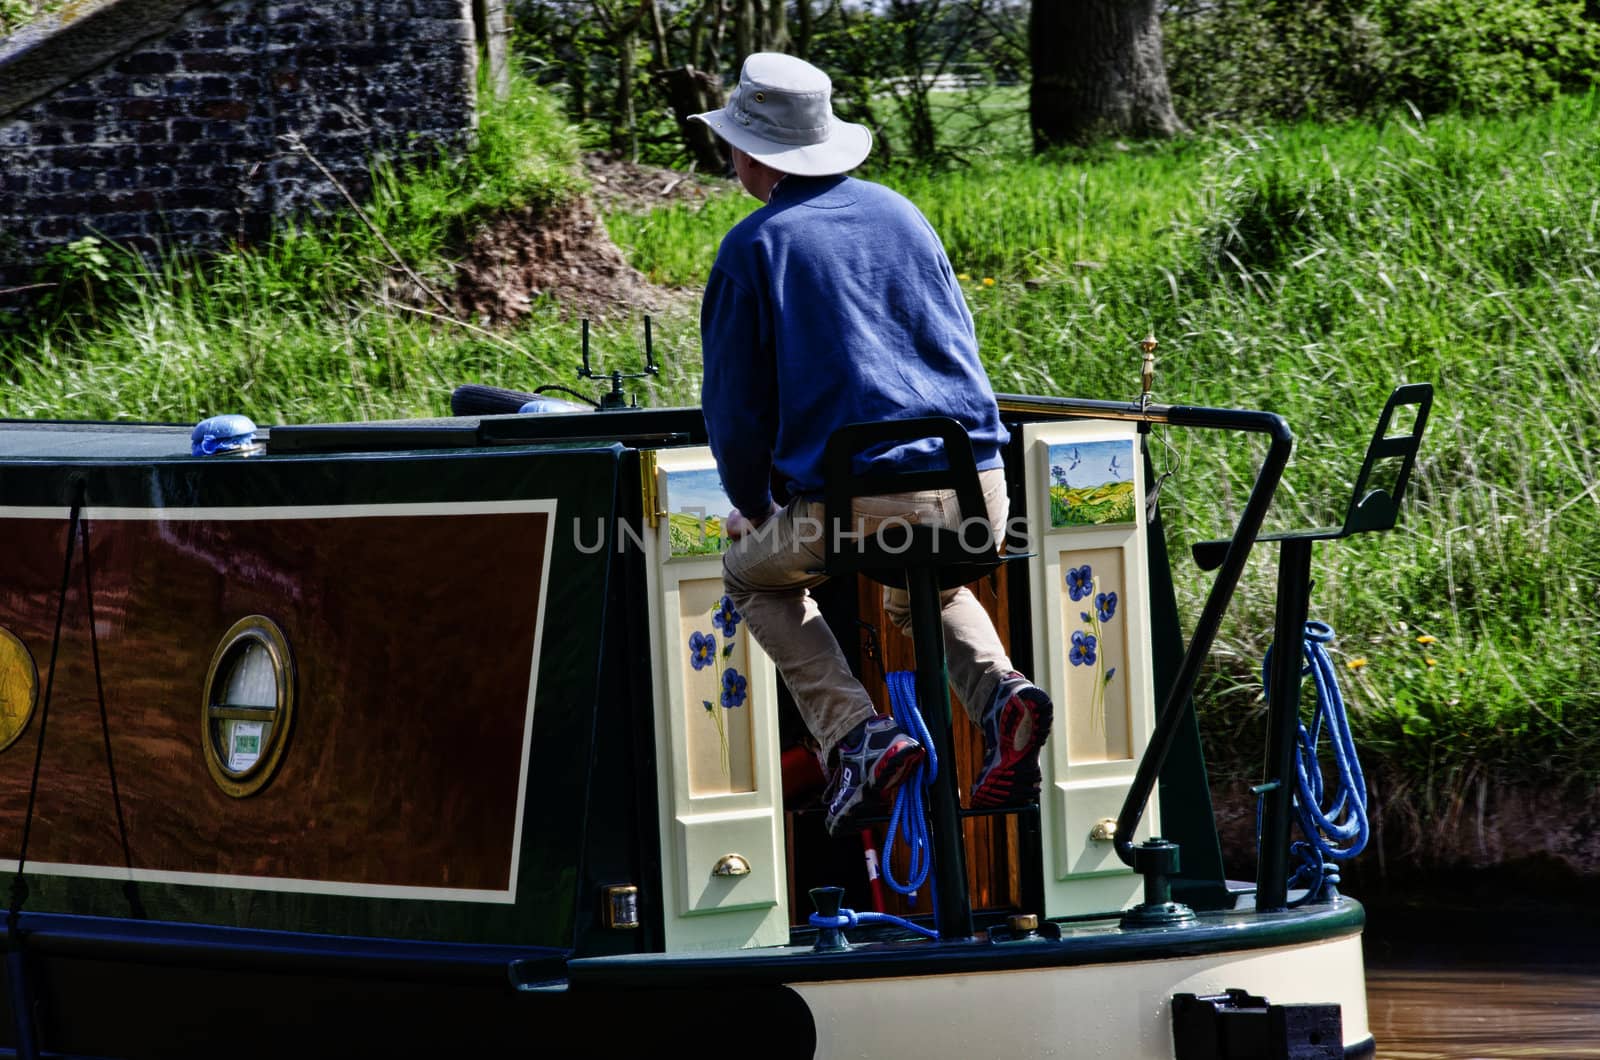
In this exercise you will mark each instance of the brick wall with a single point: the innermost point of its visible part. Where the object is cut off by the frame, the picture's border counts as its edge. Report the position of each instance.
(212, 127)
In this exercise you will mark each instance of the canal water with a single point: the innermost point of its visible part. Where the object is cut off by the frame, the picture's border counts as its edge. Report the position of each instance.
(1502, 980)
(1466, 1009)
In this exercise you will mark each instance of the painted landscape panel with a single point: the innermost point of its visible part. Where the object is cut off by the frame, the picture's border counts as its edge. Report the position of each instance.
(696, 505)
(1091, 483)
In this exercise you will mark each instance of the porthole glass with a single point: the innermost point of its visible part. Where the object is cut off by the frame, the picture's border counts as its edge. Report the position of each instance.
(249, 705)
(19, 687)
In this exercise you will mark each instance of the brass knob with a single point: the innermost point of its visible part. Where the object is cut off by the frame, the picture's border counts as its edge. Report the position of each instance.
(731, 865)
(1104, 829)
(1023, 923)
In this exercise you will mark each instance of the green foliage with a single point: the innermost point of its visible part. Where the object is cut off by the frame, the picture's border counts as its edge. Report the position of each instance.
(1307, 271)
(891, 64)
(1488, 55)
(1249, 60)
(1091, 506)
(524, 155)
(14, 14)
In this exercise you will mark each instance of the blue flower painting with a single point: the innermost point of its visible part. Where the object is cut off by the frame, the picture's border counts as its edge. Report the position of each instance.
(726, 617)
(733, 686)
(702, 650)
(1083, 645)
(715, 662)
(1089, 643)
(1105, 605)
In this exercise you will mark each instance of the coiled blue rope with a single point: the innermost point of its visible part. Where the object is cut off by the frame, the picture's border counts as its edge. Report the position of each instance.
(1339, 831)
(910, 799)
(850, 918)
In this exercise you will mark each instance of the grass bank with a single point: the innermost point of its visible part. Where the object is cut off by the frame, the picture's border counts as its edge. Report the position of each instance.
(1307, 270)
(1303, 270)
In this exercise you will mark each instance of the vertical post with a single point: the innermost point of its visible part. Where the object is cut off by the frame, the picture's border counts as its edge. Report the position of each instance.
(489, 20)
(1283, 719)
(952, 908)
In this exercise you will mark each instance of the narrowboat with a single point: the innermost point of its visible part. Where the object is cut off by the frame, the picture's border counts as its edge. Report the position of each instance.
(439, 736)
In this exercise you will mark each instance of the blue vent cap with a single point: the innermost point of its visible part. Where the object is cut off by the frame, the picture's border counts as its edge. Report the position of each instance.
(549, 404)
(221, 434)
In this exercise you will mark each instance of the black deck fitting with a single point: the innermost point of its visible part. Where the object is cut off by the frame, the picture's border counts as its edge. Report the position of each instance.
(1156, 860)
(1236, 1025)
(830, 939)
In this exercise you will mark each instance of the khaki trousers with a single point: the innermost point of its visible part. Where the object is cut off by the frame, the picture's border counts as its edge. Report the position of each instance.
(768, 574)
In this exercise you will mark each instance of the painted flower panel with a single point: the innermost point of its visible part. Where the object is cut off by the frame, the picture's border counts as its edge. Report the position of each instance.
(1105, 605)
(733, 688)
(702, 650)
(1083, 646)
(726, 617)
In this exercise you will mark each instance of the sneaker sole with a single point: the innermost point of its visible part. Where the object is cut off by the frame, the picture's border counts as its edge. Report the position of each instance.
(895, 768)
(1024, 727)
(892, 770)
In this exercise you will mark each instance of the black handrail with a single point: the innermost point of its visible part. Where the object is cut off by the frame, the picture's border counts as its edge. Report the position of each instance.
(1228, 573)
(1217, 600)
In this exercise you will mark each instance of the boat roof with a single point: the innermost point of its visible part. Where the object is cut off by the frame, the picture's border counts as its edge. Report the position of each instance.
(76, 440)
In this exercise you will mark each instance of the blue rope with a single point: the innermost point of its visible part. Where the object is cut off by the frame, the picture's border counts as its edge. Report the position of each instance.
(1340, 831)
(910, 799)
(850, 918)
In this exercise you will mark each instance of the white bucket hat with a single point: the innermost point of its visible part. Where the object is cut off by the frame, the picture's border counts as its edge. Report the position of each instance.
(781, 114)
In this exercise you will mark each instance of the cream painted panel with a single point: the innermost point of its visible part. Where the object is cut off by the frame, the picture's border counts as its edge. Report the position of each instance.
(707, 840)
(1118, 1011)
(1092, 650)
(716, 728)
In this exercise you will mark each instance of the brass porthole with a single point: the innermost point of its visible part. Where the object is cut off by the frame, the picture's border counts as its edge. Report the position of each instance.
(249, 706)
(19, 687)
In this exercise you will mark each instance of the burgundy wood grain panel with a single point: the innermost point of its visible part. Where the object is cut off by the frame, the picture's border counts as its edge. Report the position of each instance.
(413, 636)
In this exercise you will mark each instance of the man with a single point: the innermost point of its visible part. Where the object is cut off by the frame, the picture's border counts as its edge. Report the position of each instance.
(834, 304)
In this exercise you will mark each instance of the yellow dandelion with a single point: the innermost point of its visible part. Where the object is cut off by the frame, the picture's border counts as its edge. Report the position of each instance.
(963, 276)
(1431, 661)
(1356, 664)
(1426, 639)
(988, 281)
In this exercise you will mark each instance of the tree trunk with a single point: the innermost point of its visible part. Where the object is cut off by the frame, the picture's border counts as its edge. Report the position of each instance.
(912, 94)
(803, 40)
(650, 16)
(489, 21)
(626, 135)
(777, 27)
(690, 91)
(1098, 72)
(744, 27)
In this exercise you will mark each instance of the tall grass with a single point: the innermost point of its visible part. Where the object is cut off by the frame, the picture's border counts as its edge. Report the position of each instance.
(1307, 270)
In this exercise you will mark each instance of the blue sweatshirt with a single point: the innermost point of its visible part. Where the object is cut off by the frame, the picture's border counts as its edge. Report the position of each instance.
(834, 304)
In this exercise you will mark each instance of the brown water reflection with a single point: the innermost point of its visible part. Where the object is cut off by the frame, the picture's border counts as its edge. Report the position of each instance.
(1465, 1012)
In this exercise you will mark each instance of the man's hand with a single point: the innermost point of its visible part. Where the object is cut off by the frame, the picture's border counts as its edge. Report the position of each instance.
(738, 524)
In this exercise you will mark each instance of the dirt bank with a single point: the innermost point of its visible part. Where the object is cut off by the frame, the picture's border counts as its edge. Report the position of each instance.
(1475, 838)
(565, 255)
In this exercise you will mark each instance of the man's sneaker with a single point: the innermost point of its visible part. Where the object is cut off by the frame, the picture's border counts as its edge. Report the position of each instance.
(873, 760)
(1014, 728)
